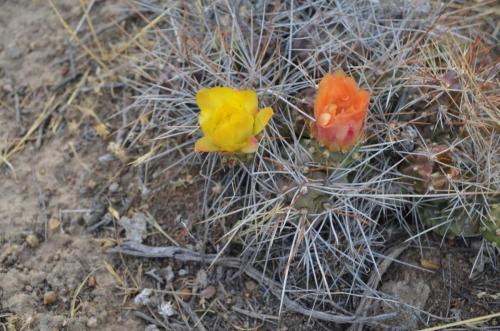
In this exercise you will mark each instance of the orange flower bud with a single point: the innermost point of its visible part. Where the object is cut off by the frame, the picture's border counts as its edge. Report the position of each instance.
(340, 110)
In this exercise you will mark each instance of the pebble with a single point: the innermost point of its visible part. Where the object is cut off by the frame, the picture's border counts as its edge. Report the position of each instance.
(250, 285)
(53, 226)
(92, 282)
(49, 298)
(92, 322)
(208, 292)
(105, 158)
(32, 241)
(14, 52)
(113, 187)
(8, 88)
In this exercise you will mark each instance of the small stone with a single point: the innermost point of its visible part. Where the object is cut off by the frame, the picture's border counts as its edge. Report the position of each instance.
(166, 309)
(92, 322)
(49, 298)
(8, 88)
(14, 52)
(105, 158)
(144, 297)
(53, 226)
(91, 283)
(91, 184)
(250, 285)
(32, 241)
(208, 292)
(113, 187)
(135, 227)
(182, 272)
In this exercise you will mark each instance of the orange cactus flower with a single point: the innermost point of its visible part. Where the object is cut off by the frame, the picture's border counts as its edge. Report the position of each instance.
(340, 110)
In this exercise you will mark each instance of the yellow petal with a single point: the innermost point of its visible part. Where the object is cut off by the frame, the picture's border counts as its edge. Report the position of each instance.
(205, 145)
(210, 121)
(233, 133)
(216, 97)
(246, 100)
(209, 101)
(261, 119)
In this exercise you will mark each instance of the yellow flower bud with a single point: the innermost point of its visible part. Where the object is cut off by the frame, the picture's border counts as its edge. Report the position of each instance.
(230, 120)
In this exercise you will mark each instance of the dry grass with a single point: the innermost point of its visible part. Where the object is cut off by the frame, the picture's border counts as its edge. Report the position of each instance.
(321, 229)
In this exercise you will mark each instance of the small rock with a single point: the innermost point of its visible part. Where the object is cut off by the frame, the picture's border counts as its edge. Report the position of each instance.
(105, 158)
(250, 285)
(53, 226)
(14, 52)
(91, 283)
(208, 292)
(113, 187)
(49, 298)
(143, 298)
(92, 322)
(182, 272)
(413, 292)
(166, 309)
(32, 241)
(8, 88)
(135, 227)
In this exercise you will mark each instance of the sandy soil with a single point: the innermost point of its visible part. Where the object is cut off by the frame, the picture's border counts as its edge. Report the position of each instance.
(52, 273)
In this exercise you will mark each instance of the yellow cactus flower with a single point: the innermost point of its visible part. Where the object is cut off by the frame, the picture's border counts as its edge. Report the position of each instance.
(230, 120)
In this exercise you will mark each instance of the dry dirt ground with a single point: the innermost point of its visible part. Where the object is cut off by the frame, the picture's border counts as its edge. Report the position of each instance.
(45, 256)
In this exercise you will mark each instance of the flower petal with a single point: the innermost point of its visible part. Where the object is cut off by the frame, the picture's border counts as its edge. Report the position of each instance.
(205, 145)
(210, 100)
(251, 146)
(220, 96)
(246, 100)
(261, 119)
(233, 132)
